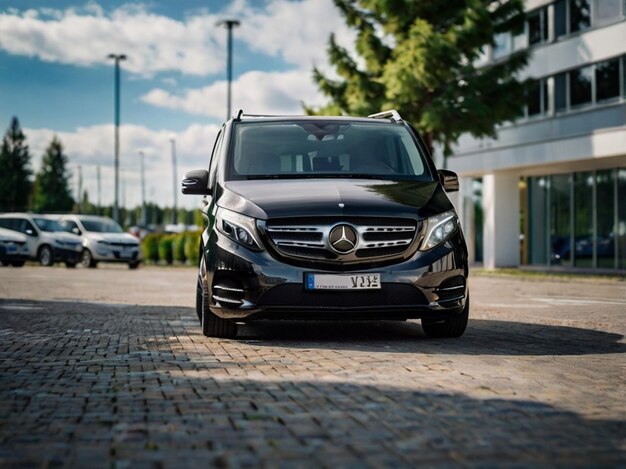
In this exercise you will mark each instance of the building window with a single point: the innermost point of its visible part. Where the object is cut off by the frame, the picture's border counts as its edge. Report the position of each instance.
(607, 11)
(560, 92)
(537, 22)
(538, 98)
(580, 86)
(577, 219)
(579, 15)
(607, 80)
(560, 18)
(501, 45)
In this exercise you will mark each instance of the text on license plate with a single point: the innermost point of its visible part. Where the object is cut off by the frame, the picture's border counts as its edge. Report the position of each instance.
(342, 282)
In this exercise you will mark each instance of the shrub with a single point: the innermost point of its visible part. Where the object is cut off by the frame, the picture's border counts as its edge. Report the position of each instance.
(178, 247)
(150, 247)
(192, 246)
(165, 249)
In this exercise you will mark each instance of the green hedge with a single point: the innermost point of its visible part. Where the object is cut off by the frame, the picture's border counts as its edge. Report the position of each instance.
(169, 248)
(165, 249)
(178, 247)
(150, 247)
(192, 246)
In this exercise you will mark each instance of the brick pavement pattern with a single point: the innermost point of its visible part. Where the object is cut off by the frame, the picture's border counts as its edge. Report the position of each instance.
(108, 368)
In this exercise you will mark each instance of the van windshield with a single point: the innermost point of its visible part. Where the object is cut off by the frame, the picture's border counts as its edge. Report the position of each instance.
(265, 150)
(101, 226)
(46, 224)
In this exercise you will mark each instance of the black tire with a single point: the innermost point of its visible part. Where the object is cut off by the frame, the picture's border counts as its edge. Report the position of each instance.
(18, 263)
(452, 327)
(45, 256)
(212, 325)
(133, 265)
(86, 259)
(70, 265)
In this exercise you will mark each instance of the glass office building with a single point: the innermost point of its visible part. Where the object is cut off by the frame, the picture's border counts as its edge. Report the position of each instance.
(550, 191)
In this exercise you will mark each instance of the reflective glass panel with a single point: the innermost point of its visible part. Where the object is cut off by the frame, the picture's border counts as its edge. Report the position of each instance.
(605, 218)
(560, 92)
(579, 15)
(607, 80)
(607, 11)
(560, 18)
(580, 86)
(560, 218)
(583, 219)
(534, 99)
(621, 218)
(537, 229)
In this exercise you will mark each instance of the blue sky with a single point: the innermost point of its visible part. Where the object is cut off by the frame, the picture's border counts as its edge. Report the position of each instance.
(54, 76)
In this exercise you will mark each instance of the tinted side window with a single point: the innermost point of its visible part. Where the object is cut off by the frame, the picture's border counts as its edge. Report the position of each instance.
(215, 156)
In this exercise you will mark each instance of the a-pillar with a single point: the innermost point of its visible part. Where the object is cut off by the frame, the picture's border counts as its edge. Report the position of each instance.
(501, 215)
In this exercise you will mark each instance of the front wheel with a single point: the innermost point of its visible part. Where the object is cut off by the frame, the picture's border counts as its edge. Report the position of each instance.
(45, 256)
(133, 265)
(86, 259)
(454, 326)
(212, 325)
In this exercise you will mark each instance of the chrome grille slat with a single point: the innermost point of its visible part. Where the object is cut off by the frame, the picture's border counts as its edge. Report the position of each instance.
(307, 238)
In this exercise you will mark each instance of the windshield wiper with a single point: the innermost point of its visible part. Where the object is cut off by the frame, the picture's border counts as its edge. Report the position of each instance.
(318, 176)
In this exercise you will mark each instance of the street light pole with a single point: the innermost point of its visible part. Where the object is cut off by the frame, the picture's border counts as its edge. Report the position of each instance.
(230, 24)
(174, 179)
(117, 58)
(143, 189)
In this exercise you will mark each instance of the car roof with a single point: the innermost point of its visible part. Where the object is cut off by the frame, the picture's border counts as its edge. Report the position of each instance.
(296, 118)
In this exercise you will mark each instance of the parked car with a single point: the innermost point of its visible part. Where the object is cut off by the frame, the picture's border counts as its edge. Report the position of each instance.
(102, 240)
(13, 248)
(327, 217)
(47, 242)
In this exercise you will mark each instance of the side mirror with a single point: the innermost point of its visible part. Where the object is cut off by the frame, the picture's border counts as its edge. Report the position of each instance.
(30, 232)
(76, 231)
(449, 180)
(196, 182)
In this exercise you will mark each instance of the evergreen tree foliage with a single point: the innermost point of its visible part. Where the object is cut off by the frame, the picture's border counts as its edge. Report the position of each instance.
(52, 192)
(419, 57)
(15, 172)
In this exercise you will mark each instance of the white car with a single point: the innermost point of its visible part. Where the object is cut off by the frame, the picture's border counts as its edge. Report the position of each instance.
(103, 240)
(13, 248)
(46, 240)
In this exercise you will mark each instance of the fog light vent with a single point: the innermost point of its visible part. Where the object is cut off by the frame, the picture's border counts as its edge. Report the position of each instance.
(451, 290)
(228, 293)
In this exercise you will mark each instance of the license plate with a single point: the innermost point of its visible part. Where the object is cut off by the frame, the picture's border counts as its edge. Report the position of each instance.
(342, 282)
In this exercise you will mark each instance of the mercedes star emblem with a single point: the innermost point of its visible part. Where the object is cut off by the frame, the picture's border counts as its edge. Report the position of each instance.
(343, 238)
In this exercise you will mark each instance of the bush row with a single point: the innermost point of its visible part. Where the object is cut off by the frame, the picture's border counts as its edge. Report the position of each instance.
(165, 248)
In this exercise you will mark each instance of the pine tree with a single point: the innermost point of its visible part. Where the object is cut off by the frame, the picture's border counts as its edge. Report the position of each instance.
(420, 57)
(52, 192)
(15, 172)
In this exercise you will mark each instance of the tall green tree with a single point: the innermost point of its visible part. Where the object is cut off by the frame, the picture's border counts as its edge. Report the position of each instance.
(52, 192)
(15, 172)
(420, 57)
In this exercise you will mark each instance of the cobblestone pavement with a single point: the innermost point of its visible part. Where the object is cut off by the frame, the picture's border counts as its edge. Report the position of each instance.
(108, 368)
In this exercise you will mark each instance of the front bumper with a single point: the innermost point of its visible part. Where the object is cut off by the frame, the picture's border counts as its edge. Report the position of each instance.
(429, 284)
(110, 253)
(66, 255)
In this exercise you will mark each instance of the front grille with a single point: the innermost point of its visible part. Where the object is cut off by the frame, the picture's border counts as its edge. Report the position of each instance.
(308, 238)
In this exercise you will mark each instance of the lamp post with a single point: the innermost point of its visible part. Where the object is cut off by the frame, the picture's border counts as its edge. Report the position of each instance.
(174, 187)
(117, 58)
(230, 24)
(143, 189)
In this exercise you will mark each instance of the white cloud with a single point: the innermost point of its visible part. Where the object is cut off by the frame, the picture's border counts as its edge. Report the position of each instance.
(153, 43)
(90, 147)
(254, 92)
(296, 31)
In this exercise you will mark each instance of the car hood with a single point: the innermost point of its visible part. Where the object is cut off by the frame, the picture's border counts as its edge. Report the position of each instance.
(274, 198)
(10, 235)
(63, 236)
(113, 237)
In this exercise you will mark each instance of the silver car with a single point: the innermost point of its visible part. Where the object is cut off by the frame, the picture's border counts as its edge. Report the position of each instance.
(46, 240)
(103, 240)
(13, 248)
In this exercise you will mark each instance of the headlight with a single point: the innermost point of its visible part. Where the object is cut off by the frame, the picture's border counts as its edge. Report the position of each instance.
(439, 228)
(239, 228)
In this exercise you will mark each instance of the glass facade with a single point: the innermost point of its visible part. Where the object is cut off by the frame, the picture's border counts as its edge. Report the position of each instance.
(577, 219)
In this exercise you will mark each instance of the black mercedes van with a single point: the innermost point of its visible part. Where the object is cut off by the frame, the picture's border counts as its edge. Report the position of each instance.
(327, 218)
